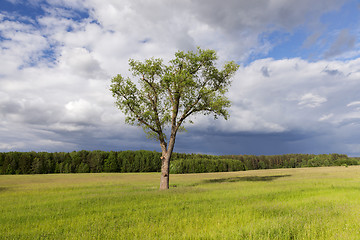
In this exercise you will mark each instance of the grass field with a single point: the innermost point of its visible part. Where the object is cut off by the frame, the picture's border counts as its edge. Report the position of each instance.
(308, 203)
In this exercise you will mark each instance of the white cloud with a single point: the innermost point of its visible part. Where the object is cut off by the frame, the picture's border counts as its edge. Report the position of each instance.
(81, 62)
(297, 95)
(22, 46)
(81, 111)
(355, 103)
(326, 117)
(311, 100)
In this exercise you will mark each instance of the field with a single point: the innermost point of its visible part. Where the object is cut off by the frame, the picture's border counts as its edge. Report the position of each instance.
(305, 203)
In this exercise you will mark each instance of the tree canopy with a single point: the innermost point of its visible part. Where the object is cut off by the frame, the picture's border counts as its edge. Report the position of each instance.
(164, 96)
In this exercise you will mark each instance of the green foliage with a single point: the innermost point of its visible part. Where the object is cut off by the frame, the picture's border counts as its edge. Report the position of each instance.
(203, 165)
(150, 161)
(111, 164)
(38, 166)
(96, 160)
(166, 95)
(83, 168)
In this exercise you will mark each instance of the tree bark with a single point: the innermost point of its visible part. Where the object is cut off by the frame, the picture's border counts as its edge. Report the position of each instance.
(165, 167)
(165, 164)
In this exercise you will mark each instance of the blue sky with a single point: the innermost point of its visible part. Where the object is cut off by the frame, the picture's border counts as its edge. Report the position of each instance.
(297, 90)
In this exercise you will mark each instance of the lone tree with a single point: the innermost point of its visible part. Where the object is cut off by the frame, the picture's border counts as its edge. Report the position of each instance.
(166, 95)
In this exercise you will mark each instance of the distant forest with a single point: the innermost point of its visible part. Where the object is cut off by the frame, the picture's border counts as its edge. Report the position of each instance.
(149, 161)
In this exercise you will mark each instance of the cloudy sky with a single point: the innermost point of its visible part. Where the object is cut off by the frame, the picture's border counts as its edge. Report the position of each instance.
(297, 90)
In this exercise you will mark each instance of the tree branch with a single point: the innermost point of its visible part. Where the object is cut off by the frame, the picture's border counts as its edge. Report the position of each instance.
(154, 101)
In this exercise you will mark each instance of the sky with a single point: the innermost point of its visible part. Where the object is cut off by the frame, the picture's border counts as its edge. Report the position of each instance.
(297, 89)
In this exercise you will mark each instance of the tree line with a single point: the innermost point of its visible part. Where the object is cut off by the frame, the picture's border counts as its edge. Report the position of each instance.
(79, 162)
(195, 163)
(150, 161)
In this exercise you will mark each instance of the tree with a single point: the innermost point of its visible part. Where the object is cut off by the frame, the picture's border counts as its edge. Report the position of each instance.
(165, 96)
(110, 164)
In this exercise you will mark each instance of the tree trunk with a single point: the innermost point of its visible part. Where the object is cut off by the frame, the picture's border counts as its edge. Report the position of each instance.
(165, 164)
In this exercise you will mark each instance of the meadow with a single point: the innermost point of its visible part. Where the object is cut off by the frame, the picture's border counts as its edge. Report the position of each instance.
(299, 203)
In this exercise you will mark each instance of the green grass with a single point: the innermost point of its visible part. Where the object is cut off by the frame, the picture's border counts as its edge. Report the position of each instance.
(308, 203)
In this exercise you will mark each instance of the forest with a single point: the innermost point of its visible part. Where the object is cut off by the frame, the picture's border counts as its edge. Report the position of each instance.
(149, 161)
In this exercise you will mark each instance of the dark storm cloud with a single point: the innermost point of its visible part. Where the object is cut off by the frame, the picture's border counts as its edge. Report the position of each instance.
(248, 143)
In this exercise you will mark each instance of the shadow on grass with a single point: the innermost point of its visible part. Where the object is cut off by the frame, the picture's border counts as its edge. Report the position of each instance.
(244, 179)
(2, 189)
